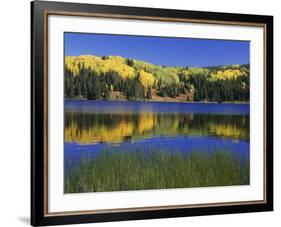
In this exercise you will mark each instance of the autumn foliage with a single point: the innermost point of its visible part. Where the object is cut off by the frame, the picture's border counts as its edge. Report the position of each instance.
(94, 77)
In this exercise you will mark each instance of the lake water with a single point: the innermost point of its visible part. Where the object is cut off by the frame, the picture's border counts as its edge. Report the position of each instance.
(94, 126)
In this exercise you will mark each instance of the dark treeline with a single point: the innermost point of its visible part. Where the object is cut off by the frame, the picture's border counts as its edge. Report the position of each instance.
(220, 90)
(90, 85)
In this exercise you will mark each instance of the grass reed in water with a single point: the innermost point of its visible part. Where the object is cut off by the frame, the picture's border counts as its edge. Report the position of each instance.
(139, 170)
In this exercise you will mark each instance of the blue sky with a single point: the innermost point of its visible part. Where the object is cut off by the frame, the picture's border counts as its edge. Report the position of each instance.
(160, 50)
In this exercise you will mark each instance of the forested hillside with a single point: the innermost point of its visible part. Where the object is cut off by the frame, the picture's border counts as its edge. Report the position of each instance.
(114, 77)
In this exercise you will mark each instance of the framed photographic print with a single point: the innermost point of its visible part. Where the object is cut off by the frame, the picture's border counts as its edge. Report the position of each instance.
(142, 113)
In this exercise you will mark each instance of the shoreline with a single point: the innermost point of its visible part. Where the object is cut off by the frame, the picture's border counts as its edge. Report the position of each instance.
(153, 101)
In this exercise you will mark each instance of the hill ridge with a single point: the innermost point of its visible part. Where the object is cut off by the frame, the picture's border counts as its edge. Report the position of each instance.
(136, 79)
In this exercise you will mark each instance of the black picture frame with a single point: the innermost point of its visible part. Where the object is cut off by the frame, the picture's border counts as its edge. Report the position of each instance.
(39, 110)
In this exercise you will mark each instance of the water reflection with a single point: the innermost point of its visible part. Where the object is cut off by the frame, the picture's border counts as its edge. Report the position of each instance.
(89, 128)
(109, 143)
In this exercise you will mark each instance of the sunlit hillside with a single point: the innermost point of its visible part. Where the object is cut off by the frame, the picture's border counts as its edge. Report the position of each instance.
(108, 77)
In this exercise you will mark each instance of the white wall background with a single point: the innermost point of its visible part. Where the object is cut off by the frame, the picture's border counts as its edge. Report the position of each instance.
(15, 111)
